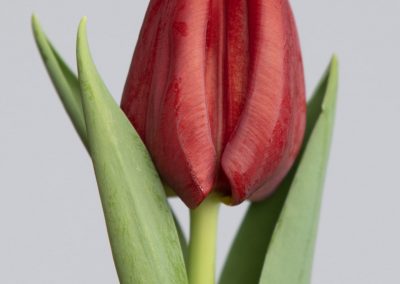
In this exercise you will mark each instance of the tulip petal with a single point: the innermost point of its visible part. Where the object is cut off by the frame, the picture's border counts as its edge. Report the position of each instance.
(216, 91)
(171, 111)
(287, 256)
(265, 143)
(136, 92)
(237, 63)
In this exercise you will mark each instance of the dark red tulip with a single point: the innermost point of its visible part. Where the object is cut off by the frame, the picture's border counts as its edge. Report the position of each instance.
(216, 91)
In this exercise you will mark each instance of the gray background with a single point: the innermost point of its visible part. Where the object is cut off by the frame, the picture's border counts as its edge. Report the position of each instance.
(51, 224)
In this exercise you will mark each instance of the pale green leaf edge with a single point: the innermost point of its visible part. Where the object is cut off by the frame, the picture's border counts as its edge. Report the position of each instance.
(182, 239)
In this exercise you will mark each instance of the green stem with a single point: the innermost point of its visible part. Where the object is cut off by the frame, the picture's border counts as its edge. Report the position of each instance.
(202, 246)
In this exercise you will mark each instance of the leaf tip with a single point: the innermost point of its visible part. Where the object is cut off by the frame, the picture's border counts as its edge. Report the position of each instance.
(82, 45)
(34, 20)
(83, 22)
(332, 84)
(82, 29)
(35, 25)
(334, 63)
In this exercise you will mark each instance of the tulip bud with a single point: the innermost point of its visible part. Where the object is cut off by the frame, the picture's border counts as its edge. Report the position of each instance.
(216, 92)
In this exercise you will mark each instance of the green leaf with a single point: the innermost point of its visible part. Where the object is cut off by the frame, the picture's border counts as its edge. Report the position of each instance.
(67, 87)
(246, 256)
(289, 233)
(64, 80)
(140, 225)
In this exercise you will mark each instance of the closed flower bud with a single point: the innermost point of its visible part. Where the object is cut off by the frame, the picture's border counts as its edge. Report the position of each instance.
(216, 92)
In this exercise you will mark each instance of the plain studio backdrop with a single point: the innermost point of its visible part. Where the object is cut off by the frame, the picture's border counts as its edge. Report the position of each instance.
(51, 224)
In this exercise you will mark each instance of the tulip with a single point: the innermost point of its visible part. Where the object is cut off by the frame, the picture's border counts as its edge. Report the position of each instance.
(216, 92)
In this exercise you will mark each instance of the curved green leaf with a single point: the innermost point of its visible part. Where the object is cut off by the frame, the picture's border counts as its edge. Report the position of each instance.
(140, 225)
(64, 80)
(67, 87)
(245, 261)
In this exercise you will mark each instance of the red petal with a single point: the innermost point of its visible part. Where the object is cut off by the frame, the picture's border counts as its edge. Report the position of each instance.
(172, 106)
(226, 67)
(237, 63)
(137, 88)
(271, 126)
